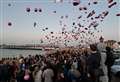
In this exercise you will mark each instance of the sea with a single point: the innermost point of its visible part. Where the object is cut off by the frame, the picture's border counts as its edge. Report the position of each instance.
(17, 52)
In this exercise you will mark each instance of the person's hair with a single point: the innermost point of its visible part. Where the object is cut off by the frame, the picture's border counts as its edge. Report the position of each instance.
(101, 38)
(108, 49)
(93, 47)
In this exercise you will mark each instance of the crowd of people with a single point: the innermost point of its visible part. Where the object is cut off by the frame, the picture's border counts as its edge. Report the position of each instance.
(68, 65)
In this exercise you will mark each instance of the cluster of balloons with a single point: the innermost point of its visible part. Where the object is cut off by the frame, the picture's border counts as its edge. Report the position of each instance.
(80, 31)
(35, 9)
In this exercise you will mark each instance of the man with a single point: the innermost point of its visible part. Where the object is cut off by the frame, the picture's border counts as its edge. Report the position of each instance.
(109, 61)
(101, 48)
(48, 74)
(93, 63)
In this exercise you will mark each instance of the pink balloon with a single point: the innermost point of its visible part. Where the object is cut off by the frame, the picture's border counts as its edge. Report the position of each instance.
(26, 77)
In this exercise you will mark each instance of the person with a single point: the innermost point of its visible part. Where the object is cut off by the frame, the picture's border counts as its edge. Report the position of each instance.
(73, 74)
(48, 74)
(28, 77)
(109, 61)
(14, 69)
(101, 48)
(101, 45)
(93, 63)
(6, 72)
(1, 65)
(38, 77)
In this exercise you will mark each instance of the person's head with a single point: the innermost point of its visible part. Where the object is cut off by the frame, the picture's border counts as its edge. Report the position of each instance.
(101, 39)
(1, 62)
(93, 47)
(108, 49)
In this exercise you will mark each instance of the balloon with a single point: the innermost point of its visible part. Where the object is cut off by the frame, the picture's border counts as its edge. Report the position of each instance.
(76, 2)
(97, 17)
(26, 77)
(118, 14)
(66, 16)
(110, 1)
(41, 41)
(85, 12)
(112, 4)
(54, 11)
(43, 29)
(47, 37)
(86, 28)
(73, 23)
(61, 17)
(80, 8)
(91, 13)
(79, 17)
(51, 32)
(35, 24)
(91, 18)
(9, 4)
(9, 24)
(95, 2)
(52, 36)
(88, 3)
(35, 10)
(101, 20)
(79, 25)
(75, 27)
(28, 9)
(40, 10)
(105, 13)
(95, 25)
(46, 28)
(84, 8)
